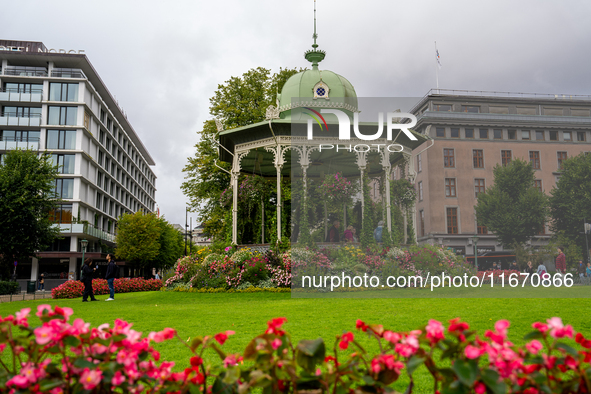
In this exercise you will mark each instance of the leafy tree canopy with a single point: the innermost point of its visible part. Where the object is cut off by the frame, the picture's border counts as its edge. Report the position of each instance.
(240, 101)
(513, 208)
(27, 196)
(570, 199)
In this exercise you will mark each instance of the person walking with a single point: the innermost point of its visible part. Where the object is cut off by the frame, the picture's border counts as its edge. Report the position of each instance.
(87, 274)
(561, 261)
(41, 282)
(581, 270)
(110, 276)
(377, 233)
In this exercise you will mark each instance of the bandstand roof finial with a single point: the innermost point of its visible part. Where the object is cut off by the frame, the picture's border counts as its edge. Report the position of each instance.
(315, 55)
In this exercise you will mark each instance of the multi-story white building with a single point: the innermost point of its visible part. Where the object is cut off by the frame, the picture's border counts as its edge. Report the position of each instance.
(54, 101)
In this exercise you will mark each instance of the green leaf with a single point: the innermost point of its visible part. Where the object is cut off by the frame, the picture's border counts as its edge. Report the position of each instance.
(413, 363)
(71, 341)
(83, 363)
(219, 387)
(491, 380)
(533, 335)
(195, 343)
(47, 386)
(467, 371)
(567, 349)
(309, 353)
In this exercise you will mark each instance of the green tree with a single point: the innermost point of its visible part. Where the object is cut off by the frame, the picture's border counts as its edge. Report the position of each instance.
(27, 196)
(570, 200)
(513, 208)
(172, 245)
(138, 238)
(240, 101)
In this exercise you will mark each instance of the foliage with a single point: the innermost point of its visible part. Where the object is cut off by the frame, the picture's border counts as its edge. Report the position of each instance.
(9, 287)
(27, 195)
(403, 192)
(337, 189)
(146, 240)
(240, 101)
(366, 237)
(513, 208)
(75, 288)
(65, 357)
(570, 199)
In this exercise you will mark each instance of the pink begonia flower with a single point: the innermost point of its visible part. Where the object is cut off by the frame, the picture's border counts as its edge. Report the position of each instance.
(480, 388)
(276, 343)
(345, 339)
(118, 378)
(223, 336)
(558, 329)
(43, 334)
(18, 381)
(540, 327)
(472, 352)
(21, 317)
(232, 360)
(2, 347)
(392, 337)
(534, 346)
(57, 390)
(501, 327)
(434, 331)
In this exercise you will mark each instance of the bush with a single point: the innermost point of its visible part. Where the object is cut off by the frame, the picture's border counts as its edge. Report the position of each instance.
(60, 357)
(9, 287)
(75, 288)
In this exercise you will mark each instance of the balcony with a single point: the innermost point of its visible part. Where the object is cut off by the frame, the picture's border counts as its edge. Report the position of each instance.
(23, 71)
(16, 119)
(8, 143)
(84, 228)
(32, 96)
(67, 73)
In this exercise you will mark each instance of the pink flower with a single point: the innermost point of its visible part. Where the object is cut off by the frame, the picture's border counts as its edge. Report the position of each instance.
(90, 378)
(223, 336)
(480, 388)
(534, 346)
(276, 343)
(118, 379)
(501, 327)
(231, 360)
(472, 352)
(392, 337)
(558, 330)
(434, 331)
(43, 334)
(41, 308)
(540, 327)
(21, 317)
(345, 339)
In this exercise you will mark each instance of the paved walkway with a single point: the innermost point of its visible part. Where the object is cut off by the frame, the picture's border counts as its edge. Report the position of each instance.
(24, 296)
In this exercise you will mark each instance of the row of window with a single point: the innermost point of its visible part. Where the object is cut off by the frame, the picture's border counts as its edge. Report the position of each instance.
(525, 135)
(452, 222)
(449, 160)
(57, 91)
(479, 187)
(504, 109)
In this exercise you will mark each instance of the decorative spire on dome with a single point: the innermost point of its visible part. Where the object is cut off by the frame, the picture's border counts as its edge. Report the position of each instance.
(315, 56)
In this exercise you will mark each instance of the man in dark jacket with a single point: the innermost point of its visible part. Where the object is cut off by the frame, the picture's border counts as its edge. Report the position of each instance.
(110, 276)
(87, 275)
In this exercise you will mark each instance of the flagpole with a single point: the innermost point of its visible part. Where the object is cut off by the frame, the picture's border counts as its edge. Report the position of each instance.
(436, 68)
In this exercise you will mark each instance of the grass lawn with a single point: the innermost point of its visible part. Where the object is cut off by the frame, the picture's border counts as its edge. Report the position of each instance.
(207, 314)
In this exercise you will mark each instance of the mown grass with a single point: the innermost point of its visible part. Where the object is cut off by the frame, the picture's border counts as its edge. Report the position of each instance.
(207, 314)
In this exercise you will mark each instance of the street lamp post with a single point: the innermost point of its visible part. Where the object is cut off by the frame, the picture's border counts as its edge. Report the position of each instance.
(83, 243)
(475, 239)
(186, 225)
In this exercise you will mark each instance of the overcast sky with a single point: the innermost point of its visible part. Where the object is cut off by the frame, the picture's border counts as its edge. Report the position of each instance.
(163, 60)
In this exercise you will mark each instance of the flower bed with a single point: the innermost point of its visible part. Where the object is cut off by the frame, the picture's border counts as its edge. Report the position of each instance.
(59, 357)
(75, 288)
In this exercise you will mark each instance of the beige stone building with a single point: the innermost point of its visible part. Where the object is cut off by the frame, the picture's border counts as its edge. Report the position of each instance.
(474, 131)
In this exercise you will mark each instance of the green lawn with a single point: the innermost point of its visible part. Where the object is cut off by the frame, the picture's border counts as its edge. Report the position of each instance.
(206, 314)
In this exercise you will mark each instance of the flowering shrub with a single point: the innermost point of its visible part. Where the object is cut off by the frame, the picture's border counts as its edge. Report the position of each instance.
(75, 288)
(59, 357)
(337, 188)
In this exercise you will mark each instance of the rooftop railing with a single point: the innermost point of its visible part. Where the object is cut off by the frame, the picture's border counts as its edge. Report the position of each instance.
(23, 71)
(67, 73)
(85, 228)
(8, 143)
(484, 93)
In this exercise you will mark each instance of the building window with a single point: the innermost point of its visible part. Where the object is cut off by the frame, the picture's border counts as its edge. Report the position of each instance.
(64, 188)
(98, 200)
(422, 216)
(538, 184)
(478, 187)
(478, 156)
(19, 135)
(553, 135)
(22, 112)
(419, 163)
(469, 133)
(498, 134)
(471, 109)
(455, 132)
(534, 159)
(539, 135)
(65, 163)
(61, 139)
(421, 191)
(23, 87)
(440, 132)
(448, 158)
(525, 134)
(581, 136)
(61, 214)
(99, 179)
(63, 91)
(480, 229)
(505, 157)
(561, 158)
(452, 220)
(62, 115)
(512, 134)
(450, 187)
(442, 107)
(483, 134)
(566, 135)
